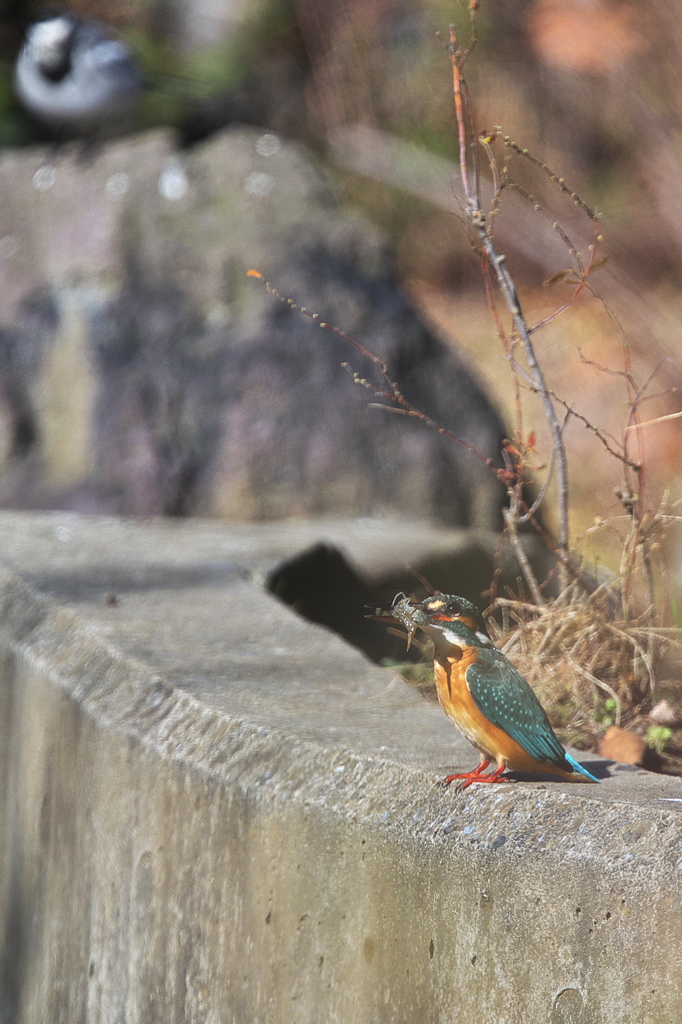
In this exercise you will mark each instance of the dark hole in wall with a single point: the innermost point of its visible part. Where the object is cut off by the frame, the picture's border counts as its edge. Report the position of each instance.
(323, 586)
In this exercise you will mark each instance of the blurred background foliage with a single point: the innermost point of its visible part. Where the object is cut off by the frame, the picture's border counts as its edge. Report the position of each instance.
(590, 87)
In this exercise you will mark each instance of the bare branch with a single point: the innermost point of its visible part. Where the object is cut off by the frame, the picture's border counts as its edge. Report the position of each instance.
(508, 289)
(560, 182)
(393, 393)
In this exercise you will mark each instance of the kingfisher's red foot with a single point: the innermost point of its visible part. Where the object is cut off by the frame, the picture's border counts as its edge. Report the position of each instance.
(472, 776)
(466, 778)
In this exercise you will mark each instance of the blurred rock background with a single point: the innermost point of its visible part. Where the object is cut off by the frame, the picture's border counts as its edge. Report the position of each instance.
(590, 87)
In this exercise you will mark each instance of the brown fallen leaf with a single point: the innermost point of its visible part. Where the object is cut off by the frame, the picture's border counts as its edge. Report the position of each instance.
(621, 745)
(628, 748)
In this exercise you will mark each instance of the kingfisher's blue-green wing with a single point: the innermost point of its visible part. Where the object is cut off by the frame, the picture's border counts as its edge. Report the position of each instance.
(507, 700)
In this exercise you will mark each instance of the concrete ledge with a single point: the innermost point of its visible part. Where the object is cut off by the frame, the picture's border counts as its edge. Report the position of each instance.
(215, 811)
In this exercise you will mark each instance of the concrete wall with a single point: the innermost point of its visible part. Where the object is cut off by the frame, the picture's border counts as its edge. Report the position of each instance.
(216, 812)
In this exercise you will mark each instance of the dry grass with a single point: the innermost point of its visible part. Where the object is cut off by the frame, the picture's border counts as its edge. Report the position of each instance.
(591, 663)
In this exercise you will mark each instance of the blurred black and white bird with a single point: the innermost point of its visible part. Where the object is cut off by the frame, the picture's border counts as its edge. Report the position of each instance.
(74, 75)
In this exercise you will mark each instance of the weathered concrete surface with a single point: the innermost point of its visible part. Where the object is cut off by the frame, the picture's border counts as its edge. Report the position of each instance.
(217, 812)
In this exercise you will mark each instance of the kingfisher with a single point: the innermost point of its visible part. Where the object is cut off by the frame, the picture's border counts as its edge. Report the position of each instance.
(479, 689)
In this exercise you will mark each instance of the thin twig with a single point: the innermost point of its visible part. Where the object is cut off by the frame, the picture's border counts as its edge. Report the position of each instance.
(630, 638)
(659, 419)
(511, 520)
(600, 434)
(560, 182)
(403, 406)
(577, 667)
(497, 262)
(528, 516)
(539, 208)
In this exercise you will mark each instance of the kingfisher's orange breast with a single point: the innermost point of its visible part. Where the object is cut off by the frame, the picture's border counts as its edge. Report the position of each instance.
(492, 741)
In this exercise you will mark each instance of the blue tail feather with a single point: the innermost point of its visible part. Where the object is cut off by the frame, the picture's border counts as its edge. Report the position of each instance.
(579, 768)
